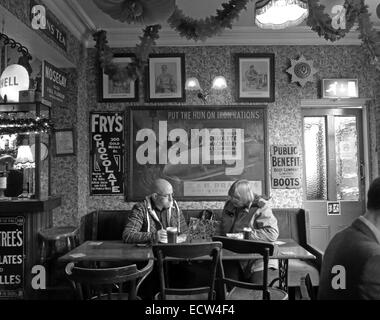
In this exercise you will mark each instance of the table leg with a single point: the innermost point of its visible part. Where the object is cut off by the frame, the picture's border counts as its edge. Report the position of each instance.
(283, 274)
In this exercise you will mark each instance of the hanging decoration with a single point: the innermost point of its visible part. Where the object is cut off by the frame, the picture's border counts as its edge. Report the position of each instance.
(136, 68)
(10, 126)
(302, 71)
(331, 28)
(147, 12)
(202, 29)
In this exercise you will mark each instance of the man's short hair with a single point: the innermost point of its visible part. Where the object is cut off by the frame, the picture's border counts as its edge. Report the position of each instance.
(373, 195)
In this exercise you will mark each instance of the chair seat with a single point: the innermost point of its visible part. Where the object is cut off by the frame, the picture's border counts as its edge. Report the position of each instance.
(246, 294)
(300, 268)
(201, 296)
(57, 233)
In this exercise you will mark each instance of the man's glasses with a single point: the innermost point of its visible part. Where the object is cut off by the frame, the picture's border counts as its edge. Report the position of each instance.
(169, 195)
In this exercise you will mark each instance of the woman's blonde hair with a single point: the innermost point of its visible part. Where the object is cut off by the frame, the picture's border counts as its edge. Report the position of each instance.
(241, 194)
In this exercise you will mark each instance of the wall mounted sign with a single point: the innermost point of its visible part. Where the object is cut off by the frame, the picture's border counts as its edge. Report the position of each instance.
(340, 88)
(12, 257)
(107, 153)
(201, 151)
(42, 19)
(286, 167)
(333, 208)
(64, 142)
(302, 70)
(54, 83)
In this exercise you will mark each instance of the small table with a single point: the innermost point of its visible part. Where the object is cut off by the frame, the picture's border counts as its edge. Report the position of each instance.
(117, 251)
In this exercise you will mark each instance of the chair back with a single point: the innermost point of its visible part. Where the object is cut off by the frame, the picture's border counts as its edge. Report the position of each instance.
(99, 283)
(265, 249)
(187, 252)
(306, 288)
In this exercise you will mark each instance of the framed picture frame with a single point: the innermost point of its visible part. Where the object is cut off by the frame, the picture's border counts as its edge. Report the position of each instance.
(201, 164)
(166, 78)
(255, 77)
(117, 87)
(64, 142)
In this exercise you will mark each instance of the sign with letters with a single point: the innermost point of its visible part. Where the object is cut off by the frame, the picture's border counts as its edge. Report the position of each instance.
(12, 257)
(333, 208)
(42, 19)
(107, 153)
(54, 83)
(201, 151)
(286, 167)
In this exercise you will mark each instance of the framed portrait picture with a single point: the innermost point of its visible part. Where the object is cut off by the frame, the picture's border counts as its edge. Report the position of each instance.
(64, 142)
(118, 87)
(255, 77)
(166, 78)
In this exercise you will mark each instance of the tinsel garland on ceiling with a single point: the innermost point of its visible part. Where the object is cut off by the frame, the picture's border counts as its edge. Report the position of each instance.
(201, 29)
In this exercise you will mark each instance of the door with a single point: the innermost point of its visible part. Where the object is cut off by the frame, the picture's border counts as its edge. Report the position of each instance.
(334, 183)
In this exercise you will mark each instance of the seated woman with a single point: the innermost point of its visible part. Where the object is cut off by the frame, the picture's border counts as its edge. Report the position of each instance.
(245, 209)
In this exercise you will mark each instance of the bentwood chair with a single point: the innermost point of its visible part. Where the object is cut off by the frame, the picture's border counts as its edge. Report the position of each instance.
(100, 284)
(186, 252)
(246, 290)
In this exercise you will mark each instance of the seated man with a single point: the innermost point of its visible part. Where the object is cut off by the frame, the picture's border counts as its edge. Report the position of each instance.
(150, 218)
(244, 209)
(355, 254)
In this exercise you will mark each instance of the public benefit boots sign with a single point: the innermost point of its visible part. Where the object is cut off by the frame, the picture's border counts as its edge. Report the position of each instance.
(106, 155)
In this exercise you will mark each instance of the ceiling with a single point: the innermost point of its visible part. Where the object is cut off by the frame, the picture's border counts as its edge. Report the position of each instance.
(83, 17)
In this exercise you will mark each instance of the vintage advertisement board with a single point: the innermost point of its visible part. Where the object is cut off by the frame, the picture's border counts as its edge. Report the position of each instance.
(42, 19)
(107, 153)
(201, 151)
(54, 83)
(286, 167)
(12, 257)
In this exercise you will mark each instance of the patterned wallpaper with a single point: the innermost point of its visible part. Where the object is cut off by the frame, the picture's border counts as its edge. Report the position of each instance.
(70, 174)
(284, 115)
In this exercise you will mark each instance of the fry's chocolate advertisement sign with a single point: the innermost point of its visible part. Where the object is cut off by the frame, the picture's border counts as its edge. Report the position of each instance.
(107, 153)
(201, 151)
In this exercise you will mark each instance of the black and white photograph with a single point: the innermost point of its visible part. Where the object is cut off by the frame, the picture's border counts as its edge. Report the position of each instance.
(166, 78)
(211, 153)
(117, 86)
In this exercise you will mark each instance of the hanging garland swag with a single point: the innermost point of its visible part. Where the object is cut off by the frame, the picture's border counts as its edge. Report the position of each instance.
(29, 125)
(201, 29)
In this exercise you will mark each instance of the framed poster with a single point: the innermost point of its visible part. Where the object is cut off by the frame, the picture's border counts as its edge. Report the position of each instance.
(12, 253)
(201, 151)
(117, 87)
(64, 142)
(166, 78)
(255, 77)
(106, 153)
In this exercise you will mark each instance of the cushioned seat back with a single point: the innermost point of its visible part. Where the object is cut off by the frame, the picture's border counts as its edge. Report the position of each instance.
(104, 225)
(109, 224)
(291, 222)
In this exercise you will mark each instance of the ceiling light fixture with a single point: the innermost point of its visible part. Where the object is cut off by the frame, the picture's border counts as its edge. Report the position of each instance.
(280, 14)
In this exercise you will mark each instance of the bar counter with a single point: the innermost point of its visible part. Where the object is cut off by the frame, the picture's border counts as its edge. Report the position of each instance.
(20, 221)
